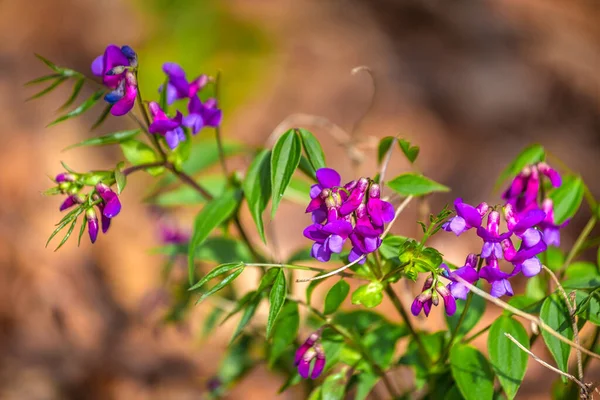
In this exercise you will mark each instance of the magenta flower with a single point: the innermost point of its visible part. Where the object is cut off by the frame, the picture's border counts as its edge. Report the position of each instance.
(329, 238)
(64, 177)
(466, 217)
(430, 297)
(170, 128)
(114, 66)
(550, 230)
(466, 272)
(69, 202)
(356, 197)
(92, 221)
(327, 178)
(365, 238)
(491, 236)
(499, 279)
(309, 351)
(178, 86)
(550, 173)
(111, 205)
(201, 115)
(380, 211)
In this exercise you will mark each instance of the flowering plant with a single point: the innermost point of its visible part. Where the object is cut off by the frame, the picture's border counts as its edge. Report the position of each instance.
(334, 352)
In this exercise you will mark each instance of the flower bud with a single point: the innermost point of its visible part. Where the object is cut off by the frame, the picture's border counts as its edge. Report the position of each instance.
(112, 205)
(65, 177)
(304, 364)
(482, 208)
(375, 191)
(130, 54)
(435, 299)
(70, 202)
(92, 221)
(319, 362)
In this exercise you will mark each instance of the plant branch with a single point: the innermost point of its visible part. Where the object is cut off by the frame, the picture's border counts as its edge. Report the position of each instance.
(585, 389)
(571, 308)
(523, 314)
(457, 327)
(579, 242)
(477, 334)
(140, 167)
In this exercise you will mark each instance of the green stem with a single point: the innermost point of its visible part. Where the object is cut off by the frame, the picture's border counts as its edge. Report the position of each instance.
(400, 308)
(140, 167)
(477, 334)
(578, 244)
(457, 327)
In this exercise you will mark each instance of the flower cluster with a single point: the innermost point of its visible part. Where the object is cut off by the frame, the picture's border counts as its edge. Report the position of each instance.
(309, 351)
(117, 68)
(528, 221)
(102, 196)
(200, 114)
(354, 211)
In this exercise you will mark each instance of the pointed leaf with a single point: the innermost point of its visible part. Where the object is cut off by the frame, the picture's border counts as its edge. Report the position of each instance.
(472, 373)
(67, 235)
(86, 105)
(211, 216)
(415, 185)
(312, 148)
(112, 138)
(49, 63)
(285, 331)
(102, 117)
(384, 146)
(567, 199)
(369, 295)
(508, 361)
(554, 312)
(82, 229)
(334, 386)
(121, 180)
(307, 169)
(530, 155)
(137, 153)
(43, 79)
(249, 311)
(284, 161)
(335, 297)
(226, 281)
(76, 90)
(276, 300)
(220, 270)
(411, 152)
(257, 189)
(47, 90)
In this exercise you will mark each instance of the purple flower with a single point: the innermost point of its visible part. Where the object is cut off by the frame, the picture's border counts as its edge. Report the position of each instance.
(201, 115)
(311, 349)
(111, 203)
(524, 227)
(491, 236)
(550, 230)
(170, 128)
(550, 173)
(329, 238)
(69, 202)
(178, 86)
(64, 177)
(379, 210)
(526, 258)
(499, 279)
(355, 198)
(467, 217)
(430, 297)
(523, 191)
(466, 272)
(114, 66)
(365, 238)
(169, 234)
(92, 221)
(327, 178)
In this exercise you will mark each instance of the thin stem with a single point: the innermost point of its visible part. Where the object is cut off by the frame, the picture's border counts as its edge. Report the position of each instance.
(386, 161)
(578, 243)
(583, 386)
(457, 327)
(477, 334)
(523, 314)
(571, 308)
(400, 308)
(185, 178)
(218, 127)
(140, 167)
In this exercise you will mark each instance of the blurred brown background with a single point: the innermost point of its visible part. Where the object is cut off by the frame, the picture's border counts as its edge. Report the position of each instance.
(471, 82)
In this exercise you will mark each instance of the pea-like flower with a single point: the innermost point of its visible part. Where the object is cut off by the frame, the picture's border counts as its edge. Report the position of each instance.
(178, 87)
(310, 350)
(202, 114)
(430, 297)
(499, 279)
(92, 222)
(491, 236)
(111, 205)
(550, 230)
(466, 217)
(115, 67)
(170, 128)
(466, 272)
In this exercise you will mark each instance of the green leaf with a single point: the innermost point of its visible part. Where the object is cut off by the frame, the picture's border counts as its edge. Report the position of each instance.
(285, 331)
(567, 199)
(43, 79)
(536, 288)
(102, 117)
(249, 311)
(380, 342)
(86, 105)
(82, 229)
(47, 90)
(186, 195)
(335, 297)
(384, 146)
(554, 312)
(221, 250)
(49, 63)
(369, 295)
(411, 152)
(472, 373)
(220, 270)
(284, 161)
(67, 235)
(76, 90)
(415, 185)
(112, 138)
(120, 179)
(366, 381)
(530, 155)
(588, 306)
(312, 148)
(307, 169)
(553, 258)
(209, 324)
(211, 216)
(298, 191)
(137, 153)
(276, 299)
(581, 275)
(508, 361)
(257, 189)
(474, 314)
(334, 386)
(226, 281)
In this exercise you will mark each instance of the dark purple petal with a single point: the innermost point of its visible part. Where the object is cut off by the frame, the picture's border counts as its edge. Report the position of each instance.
(173, 70)
(328, 177)
(113, 57)
(92, 222)
(318, 367)
(469, 213)
(304, 368)
(416, 307)
(491, 274)
(372, 243)
(551, 173)
(467, 273)
(321, 252)
(112, 207)
(125, 105)
(355, 254)
(68, 203)
(163, 125)
(212, 117)
(319, 216)
(300, 353)
(427, 307)
(315, 232)
(339, 227)
(450, 304)
(526, 253)
(172, 138)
